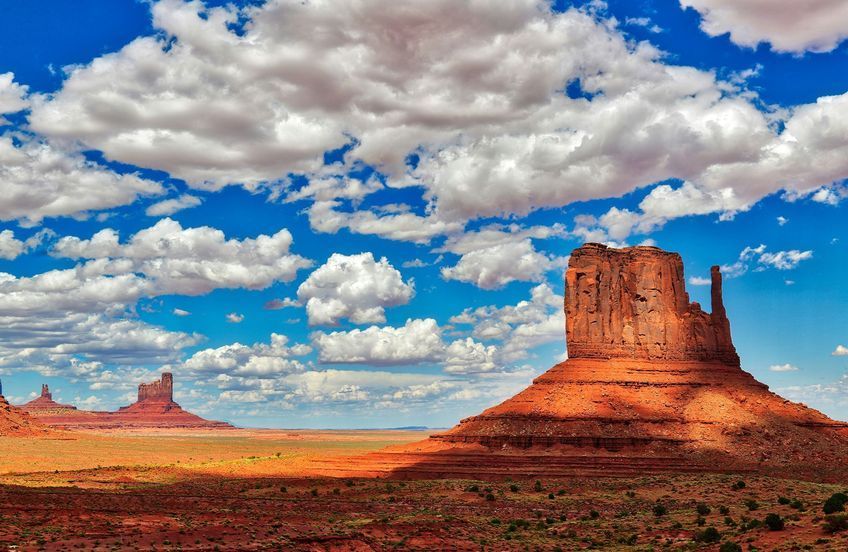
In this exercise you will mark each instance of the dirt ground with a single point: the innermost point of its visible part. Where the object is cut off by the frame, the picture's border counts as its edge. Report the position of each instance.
(245, 490)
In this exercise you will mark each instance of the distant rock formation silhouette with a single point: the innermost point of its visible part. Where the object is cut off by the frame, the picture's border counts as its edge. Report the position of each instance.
(652, 383)
(45, 404)
(154, 409)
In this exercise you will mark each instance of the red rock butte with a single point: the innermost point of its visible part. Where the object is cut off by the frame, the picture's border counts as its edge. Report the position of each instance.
(44, 404)
(652, 384)
(154, 409)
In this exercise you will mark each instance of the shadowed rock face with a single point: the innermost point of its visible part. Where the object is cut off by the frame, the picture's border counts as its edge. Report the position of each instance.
(632, 303)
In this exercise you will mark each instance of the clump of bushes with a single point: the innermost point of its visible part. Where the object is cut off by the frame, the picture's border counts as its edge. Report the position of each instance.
(752, 504)
(702, 509)
(708, 535)
(730, 546)
(660, 510)
(738, 485)
(836, 523)
(774, 522)
(836, 503)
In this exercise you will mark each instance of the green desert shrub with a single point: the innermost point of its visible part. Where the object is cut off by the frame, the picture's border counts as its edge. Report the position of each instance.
(708, 535)
(774, 522)
(836, 503)
(836, 523)
(702, 509)
(660, 510)
(730, 546)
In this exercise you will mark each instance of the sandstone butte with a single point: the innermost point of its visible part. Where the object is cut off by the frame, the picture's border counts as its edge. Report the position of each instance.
(154, 409)
(652, 384)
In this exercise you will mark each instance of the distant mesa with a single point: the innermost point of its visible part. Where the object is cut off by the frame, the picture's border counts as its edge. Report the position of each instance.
(652, 384)
(154, 409)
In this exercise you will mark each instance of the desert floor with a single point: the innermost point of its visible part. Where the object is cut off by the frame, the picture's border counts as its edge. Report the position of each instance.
(250, 490)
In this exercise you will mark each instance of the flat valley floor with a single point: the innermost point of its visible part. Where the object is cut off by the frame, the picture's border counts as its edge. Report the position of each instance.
(257, 490)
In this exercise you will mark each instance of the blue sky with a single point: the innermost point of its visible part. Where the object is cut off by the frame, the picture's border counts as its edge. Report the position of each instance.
(360, 216)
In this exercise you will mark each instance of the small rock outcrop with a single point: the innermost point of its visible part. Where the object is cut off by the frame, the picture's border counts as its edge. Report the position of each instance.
(16, 422)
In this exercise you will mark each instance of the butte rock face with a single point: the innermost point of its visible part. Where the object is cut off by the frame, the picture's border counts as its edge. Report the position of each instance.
(652, 384)
(632, 304)
(15, 422)
(154, 409)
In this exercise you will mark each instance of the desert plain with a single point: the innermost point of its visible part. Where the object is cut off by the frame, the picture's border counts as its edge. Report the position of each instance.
(248, 489)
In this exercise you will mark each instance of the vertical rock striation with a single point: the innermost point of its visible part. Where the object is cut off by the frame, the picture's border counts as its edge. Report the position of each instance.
(161, 391)
(632, 303)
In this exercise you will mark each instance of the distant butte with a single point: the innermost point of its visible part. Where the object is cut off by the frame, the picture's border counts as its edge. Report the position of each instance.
(44, 403)
(154, 409)
(652, 384)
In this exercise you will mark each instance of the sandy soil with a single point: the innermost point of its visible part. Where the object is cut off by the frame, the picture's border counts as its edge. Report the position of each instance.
(244, 490)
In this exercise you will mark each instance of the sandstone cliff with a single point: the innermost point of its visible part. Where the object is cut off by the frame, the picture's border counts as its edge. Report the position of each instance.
(632, 303)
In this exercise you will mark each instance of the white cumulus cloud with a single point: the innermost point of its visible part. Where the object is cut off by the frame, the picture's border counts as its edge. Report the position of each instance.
(415, 342)
(783, 368)
(841, 350)
(796, 26)
(188, 261)
(473, 89)
(355, 287)
(171, 206)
